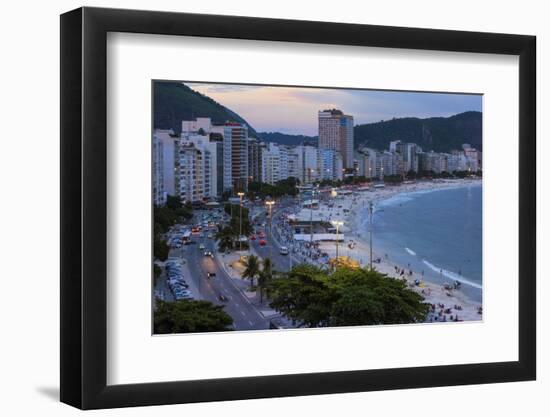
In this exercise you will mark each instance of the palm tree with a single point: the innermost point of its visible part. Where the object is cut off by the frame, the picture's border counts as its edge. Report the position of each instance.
(252, 269)
(265, 276)
(225, 238)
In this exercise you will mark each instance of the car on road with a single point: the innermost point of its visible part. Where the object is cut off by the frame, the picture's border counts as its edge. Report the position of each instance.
(210, 275)
(283, 250)
(210, 236)
(261, 235)
(253, 237)
(262, 242)
(222, 298)
(208, 253)
(201, 246)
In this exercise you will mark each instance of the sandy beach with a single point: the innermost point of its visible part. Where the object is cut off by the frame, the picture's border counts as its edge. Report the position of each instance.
(449, 303)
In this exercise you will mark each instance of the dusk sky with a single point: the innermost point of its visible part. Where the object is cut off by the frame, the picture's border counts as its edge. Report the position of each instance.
(293, 110)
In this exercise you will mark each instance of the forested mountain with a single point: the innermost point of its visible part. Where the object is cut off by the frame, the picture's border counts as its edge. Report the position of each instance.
(174, 102)
(440, 134)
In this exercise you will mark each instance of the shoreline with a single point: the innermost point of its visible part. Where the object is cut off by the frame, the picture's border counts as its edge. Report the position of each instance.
(449, 302)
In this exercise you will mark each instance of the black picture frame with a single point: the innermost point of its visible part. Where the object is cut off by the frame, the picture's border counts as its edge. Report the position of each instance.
(84, 207)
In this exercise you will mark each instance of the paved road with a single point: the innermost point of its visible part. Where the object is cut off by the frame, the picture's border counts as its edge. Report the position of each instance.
(245, 316)
(281, 263)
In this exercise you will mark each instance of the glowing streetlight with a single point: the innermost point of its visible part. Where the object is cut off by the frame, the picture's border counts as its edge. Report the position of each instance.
(337, 224)
(241, 194)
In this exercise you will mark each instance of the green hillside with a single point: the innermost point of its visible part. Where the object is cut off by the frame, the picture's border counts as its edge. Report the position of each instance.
(440, 134)
(174, 102)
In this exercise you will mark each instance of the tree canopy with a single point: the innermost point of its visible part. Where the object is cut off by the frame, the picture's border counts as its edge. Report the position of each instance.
(279, 189)
(317, 298)
(190, 316)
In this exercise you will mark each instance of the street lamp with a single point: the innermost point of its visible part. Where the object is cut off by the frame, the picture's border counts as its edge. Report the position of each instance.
(241, 194)
(270, 205)
(337, 224)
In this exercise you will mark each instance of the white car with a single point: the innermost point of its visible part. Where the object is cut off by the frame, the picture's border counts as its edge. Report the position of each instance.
(283, 250)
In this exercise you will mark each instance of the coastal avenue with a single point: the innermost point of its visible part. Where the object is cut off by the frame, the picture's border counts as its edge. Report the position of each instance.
(281, 263)
(245, 315)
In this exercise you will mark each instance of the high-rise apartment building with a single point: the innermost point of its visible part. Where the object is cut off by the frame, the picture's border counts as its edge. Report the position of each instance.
(235, 157)
(255, 149)
(408, 152)
(168, 141)
(336, 132)
(159, 196)
(191, 173)
(209, 161)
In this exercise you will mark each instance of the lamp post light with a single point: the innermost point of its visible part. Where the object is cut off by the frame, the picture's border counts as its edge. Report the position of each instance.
(270, 205)
(337, 224)
(241, 194)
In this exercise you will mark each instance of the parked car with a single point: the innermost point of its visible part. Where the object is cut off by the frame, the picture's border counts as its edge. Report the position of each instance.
(262, 242)
(201, 246)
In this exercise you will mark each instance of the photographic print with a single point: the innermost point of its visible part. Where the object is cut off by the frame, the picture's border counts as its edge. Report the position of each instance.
(283, 207)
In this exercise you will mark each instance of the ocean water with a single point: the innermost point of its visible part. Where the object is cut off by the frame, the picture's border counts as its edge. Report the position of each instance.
(436, 232)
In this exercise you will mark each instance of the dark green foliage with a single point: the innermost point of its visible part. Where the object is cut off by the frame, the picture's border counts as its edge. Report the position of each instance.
(234, 210)
(225, 237)
(173, 202)
(189, 316)
(164, 218)
(316, 298)
(265, 277)
(160, 248)
(170, 214)
(393, 179)
(440, 134)
(279, 189)
(174, 102)
(157, 270)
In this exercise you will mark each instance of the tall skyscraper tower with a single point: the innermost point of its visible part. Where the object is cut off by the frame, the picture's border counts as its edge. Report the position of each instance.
(336, 132)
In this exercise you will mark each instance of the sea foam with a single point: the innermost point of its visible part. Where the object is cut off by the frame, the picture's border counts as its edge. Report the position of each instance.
(410, 252)
(451, 275)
